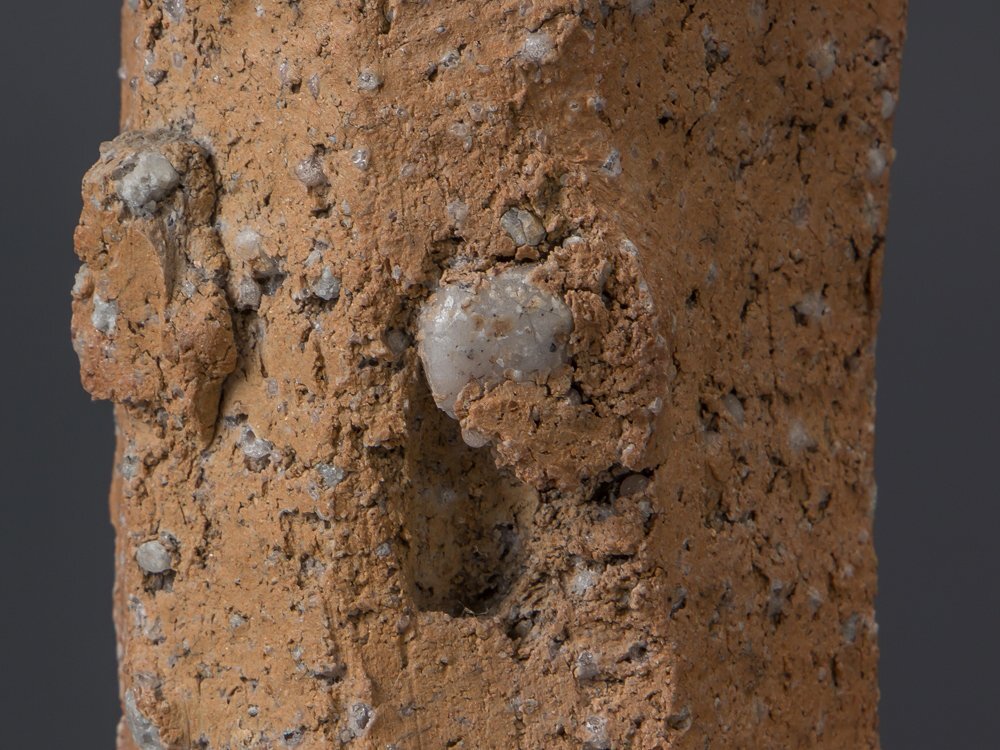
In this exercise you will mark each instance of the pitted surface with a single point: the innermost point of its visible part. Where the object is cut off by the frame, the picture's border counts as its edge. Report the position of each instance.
(709, 185)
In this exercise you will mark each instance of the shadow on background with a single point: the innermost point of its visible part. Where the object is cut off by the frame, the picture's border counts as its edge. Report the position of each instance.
(938, 402)
(938, 425)
(58, 687)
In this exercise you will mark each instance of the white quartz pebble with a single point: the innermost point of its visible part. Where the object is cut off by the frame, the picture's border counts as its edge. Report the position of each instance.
(506, 327)
(153, 557)
(151, 179)
(523, 227)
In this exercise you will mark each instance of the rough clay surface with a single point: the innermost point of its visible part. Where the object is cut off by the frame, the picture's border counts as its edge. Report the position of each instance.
(665, 544)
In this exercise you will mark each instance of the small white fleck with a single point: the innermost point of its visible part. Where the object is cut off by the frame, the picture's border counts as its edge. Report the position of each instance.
(798, 438)
(327, 287)
(597, 728)
(105, 315)
(450, 59)
(174, 9)
(253, 447)
(82, 282)
(888, 104)
(151, 179)
(331, 475)
(477, 112)
(248, 294)
(877, 162)
(824, 59)
(612, 165)
(360, 158)
(461, 131)
(523, 227)
(369, 80)
(153, 74)
(288, 74)
(537, 45)
(735, 407)
(310, 172)
(587, 668)
(582, 581)
(129, 468)
(849, 628)
(812, 306)
(458, 212)
(359, 718)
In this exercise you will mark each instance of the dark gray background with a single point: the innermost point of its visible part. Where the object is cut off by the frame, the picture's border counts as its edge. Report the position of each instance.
(938, 402)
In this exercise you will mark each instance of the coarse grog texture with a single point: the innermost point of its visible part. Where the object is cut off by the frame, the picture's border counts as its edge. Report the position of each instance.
(664, 538)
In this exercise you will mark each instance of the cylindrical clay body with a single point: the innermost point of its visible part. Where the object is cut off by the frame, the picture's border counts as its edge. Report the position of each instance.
(654, 531)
